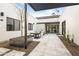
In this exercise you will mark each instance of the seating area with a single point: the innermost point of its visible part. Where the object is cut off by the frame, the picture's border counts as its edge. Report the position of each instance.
(36, 35)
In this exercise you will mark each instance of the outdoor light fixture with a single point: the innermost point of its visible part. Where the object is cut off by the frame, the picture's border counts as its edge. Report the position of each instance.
(1, 13)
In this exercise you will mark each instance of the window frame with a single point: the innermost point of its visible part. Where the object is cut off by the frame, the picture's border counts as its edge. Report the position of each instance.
(14, 20)
(30, 26)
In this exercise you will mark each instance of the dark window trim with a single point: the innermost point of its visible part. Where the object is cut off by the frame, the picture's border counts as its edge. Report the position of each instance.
(13, 23)
(31, 26)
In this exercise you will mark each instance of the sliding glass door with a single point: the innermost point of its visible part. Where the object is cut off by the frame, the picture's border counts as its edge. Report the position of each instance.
(52, 28)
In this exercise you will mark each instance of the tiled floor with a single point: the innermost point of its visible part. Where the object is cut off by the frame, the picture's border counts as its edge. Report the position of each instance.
(50, 45)
(3, 50)
(15, 53)
(9, 52)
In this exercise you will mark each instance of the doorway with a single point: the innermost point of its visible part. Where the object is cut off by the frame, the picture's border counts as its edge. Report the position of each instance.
(64, 28)
(52, 28)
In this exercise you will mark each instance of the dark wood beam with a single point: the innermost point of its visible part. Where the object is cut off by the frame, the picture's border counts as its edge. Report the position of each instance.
(48, 23)
(25, 26)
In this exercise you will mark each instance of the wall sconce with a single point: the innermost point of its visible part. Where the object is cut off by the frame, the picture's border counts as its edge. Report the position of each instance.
(1, 13)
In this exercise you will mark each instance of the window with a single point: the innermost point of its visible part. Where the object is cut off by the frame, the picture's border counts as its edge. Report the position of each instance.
(13, 24)
(10, 24)
(17, 25)
(30, 26)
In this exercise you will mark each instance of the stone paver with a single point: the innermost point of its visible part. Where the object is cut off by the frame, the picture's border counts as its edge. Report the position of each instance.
(50, 45)
(15, 53)
(3, 50)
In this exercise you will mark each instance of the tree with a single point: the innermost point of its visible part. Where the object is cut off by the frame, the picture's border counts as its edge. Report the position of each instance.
(21, 12)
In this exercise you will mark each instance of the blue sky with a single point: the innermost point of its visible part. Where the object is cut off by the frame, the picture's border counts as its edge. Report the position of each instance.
(39, 13)
(20, 5)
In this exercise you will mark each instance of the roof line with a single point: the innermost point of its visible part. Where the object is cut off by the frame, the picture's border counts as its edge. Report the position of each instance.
(47, 17)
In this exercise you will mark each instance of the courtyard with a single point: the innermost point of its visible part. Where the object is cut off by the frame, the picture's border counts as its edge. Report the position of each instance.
(50, 45)
(38, 29)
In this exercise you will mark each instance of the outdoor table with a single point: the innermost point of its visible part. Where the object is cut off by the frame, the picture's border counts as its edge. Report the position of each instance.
(36, 35)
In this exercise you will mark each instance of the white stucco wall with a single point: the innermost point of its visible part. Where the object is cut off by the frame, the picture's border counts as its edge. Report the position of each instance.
(71, 15)
(41, 27)
(9, 11)
(49, 20)
(32, 20)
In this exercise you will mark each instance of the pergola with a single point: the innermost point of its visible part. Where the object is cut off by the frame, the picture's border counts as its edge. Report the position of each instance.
(43, 6)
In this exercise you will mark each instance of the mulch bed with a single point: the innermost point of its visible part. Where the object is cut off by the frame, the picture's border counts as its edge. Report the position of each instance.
(72, 47)
(30, 46)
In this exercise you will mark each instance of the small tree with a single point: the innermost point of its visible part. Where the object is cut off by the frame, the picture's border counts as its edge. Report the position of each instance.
(21, 12)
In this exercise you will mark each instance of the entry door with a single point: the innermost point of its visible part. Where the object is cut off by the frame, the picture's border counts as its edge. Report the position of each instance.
(64, 28)
(48, 28)
(52, 28)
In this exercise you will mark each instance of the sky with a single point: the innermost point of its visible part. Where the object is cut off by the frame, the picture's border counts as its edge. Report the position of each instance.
(39, 13)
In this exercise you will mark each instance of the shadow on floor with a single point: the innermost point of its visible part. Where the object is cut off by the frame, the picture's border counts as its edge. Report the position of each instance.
(31, 45)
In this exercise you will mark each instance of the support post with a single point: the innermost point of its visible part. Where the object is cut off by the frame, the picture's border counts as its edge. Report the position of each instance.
(25, 26)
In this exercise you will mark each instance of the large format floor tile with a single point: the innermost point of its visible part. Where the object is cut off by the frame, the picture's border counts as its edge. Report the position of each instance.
(3, 50)
(15, 53)
(50, 45)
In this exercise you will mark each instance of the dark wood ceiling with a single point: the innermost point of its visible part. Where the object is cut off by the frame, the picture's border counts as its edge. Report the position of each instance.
(44, 6)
